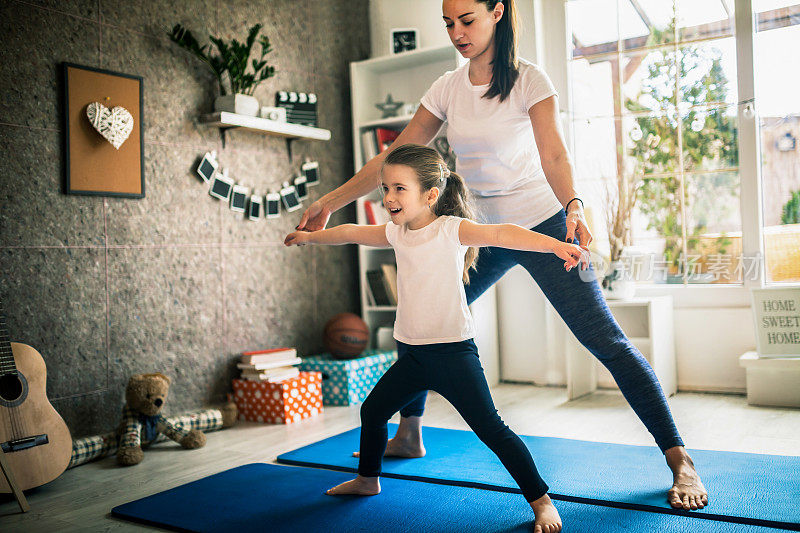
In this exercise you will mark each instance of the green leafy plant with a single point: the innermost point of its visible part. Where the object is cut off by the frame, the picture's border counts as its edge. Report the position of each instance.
(791, 211)
(231, 59)
(708, 143)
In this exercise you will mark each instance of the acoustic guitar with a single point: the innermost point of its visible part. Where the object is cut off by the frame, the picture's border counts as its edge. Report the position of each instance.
(35, 440)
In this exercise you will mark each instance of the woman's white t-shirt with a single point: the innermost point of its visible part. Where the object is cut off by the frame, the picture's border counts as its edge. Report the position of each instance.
(495, 148)
(431, 303)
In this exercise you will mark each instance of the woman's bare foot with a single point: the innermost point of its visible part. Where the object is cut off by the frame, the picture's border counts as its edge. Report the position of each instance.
(361, 486)
(687, 490)
(547, 517)
(398, 447)
(407, 442)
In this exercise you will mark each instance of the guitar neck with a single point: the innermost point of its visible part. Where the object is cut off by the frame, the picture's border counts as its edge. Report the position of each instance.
(7, 365)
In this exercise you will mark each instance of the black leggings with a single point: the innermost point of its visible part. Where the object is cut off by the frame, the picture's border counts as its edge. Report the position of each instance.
(453, 370)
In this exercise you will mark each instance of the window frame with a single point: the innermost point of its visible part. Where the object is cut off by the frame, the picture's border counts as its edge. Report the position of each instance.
(750, 197)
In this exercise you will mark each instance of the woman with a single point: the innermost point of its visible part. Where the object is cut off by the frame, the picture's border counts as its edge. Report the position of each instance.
(503, 125)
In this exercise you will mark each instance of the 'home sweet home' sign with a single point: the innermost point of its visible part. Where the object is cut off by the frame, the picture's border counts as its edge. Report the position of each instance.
(777, 314)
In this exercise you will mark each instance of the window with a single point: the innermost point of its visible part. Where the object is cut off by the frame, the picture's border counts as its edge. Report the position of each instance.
(654, 104)
(777, 78)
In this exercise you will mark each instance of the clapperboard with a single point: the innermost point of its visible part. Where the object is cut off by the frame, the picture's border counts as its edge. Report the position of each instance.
(301, 108)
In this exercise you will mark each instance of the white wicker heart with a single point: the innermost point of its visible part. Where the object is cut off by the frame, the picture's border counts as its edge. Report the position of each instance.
(114, 124)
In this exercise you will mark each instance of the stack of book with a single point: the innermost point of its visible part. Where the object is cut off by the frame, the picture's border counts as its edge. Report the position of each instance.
(382, 285)
(376, 140)
(269, 365)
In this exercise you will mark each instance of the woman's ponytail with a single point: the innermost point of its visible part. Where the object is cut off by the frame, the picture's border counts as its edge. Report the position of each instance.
(505, 65)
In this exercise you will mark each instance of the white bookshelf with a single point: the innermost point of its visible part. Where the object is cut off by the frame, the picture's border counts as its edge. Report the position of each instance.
(648, 324)
(406, 77)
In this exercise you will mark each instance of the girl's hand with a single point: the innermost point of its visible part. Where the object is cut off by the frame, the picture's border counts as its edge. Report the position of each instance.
(315, 217)
(576, 227)
(572, 254)
(297, 238)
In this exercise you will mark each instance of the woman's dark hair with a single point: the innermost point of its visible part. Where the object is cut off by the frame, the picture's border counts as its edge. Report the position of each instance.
(454, 196)
(505, 65)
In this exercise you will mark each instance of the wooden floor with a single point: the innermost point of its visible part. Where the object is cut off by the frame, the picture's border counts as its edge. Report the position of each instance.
(80, 500)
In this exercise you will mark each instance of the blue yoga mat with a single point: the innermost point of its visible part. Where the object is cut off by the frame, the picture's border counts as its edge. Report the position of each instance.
(743, 487)
(262, 497)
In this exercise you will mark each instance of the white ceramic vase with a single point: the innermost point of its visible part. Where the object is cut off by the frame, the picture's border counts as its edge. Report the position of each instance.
(618, 283)
(241, 104)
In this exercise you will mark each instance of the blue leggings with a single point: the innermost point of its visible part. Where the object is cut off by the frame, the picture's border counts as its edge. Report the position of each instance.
(453, 369)
(584, 310)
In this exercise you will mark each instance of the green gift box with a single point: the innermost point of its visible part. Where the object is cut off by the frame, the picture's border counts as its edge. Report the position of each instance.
(348, 381)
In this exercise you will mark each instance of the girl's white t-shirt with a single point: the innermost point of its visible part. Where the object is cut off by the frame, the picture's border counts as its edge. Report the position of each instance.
(495, 148)
(431, 303)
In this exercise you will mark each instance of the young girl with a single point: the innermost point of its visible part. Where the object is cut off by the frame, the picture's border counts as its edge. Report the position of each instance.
(431, 233)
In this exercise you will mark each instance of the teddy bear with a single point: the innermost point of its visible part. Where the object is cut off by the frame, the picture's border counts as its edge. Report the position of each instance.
(142, 421)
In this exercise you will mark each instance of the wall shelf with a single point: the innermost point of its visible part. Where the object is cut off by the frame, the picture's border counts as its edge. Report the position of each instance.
(291, 132)
(391, 122)
(226, 120)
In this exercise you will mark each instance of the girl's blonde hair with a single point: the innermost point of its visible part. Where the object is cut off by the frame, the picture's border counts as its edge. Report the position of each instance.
(431, 170)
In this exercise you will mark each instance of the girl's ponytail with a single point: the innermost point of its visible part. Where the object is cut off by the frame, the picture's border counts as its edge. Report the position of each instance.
(456, 200)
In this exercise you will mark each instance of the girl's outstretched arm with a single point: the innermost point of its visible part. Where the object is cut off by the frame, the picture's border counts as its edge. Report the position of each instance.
(370, 235)
(516, 237)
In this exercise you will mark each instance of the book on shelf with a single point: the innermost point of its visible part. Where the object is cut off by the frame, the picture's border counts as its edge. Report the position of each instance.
(266, 356)
(376, 140)
(269, 364)
(377, 287)
(390, 280)
(375, 213)
(369, 213)
(369, 144)
(381, 287)
(385, 137)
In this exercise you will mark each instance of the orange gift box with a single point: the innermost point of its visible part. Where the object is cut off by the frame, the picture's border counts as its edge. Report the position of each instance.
(284, 402)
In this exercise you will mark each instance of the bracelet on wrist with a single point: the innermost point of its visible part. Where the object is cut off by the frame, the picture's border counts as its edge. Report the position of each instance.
(566, 207)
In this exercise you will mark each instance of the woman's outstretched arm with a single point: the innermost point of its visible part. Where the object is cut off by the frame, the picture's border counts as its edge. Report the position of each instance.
(557, 165)
(345, 234)
(420, 130)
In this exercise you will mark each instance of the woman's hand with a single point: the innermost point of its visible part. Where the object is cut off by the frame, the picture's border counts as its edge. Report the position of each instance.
(315, 217)
(576, 227)
(572, 254)
(297, 238)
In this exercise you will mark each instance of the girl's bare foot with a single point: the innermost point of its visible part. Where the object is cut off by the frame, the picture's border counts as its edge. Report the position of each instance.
(547, 517)
(398, 447)
(687, 490)
(361, 486)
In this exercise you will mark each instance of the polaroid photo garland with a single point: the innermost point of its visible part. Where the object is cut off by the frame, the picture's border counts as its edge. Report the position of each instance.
(255, 206)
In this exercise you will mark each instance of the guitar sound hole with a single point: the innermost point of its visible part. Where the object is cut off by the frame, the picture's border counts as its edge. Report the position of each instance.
(10, 387)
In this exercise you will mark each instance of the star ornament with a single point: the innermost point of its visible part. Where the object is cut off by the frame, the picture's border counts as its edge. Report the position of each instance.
(389, 107)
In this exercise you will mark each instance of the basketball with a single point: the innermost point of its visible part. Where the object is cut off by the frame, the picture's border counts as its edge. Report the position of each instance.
(346, 336)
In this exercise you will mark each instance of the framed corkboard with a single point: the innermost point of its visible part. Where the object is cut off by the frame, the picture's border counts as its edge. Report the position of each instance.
(92, 165)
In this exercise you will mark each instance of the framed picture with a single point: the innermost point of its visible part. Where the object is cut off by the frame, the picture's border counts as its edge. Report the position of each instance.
(103, 133)
(404, 39)
(777, 315)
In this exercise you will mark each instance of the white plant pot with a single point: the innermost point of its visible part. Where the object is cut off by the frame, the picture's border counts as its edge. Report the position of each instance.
(241, 104)
(618, 284)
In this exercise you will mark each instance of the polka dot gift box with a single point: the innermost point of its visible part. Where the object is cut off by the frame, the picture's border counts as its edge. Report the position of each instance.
(284, 402)
(345, 382)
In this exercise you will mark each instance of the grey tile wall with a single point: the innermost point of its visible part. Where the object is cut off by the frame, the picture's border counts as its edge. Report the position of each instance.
(105, 287)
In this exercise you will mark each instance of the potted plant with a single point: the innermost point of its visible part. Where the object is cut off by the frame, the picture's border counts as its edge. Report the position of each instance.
(231, 63)
(618, 282)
